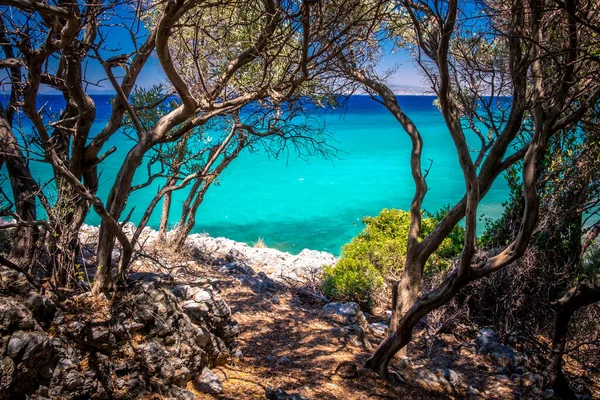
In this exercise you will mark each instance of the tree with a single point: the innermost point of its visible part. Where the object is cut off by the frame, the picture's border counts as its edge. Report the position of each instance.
(556, 277)
(570, 202)
(249, 76)
(474, 56)
(32, 35)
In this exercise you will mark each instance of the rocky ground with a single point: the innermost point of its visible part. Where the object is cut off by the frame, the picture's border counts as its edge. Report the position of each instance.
(280, 266)
(296, 342)
(156, 336)
(223, 320)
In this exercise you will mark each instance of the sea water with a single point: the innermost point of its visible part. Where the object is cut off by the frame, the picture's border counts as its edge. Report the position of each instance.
(293, 203)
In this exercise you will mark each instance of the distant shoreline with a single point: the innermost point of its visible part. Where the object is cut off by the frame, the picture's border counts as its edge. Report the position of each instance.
(110, 94)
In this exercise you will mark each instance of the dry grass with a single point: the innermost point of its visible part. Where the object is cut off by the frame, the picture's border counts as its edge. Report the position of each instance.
(93, 309)
(259, 244)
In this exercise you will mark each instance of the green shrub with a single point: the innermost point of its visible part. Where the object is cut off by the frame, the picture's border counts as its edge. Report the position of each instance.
(376, 256)
(590, 264)
(352, 280)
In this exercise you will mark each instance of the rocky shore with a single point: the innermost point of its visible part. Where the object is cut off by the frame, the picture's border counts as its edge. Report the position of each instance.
(278, 265)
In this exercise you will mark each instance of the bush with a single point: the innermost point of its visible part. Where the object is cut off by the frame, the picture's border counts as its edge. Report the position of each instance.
(375, 258)
(352, 280)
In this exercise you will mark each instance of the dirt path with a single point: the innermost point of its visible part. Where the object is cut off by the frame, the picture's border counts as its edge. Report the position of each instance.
(288, 343)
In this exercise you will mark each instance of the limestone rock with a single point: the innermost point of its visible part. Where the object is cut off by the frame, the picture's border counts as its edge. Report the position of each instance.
(174, 338)
(42, 308)
(14, 282)
(68, 383)
(456, 379)
(14, 315)
(238, 267)
(344, 309)
(238, 354)
(208, 382)
(354, 334)
(241, 259)
(506, 357)
(378, 328)
(183, 394)
(346, 313)
(259, 283)
(28, 347)
(428, 379)
(473, 392)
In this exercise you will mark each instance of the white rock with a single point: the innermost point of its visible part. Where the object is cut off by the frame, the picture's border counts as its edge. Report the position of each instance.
(201, 295)
(378, 328)
(304, 266)
(208, 382)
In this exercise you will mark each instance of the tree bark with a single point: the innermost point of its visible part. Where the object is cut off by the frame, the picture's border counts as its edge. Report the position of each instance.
(117, 200)
(184, 230)
(202, 184)
(164, 218)
(406, 293)
(24, 190)
(577, 297)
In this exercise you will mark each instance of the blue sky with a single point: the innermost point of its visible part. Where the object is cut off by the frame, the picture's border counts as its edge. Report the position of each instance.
(405, 76)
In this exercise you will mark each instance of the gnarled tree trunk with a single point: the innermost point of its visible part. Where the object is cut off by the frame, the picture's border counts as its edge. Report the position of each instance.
(164, 218)
(577, 297)
(24, 190)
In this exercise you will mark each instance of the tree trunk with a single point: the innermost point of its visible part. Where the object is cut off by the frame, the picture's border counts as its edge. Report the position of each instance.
(164, 218)
(405, 294)
(577, 297)
(24, 191)
(555, 377)
(391, 345)
(190, 219)
(188, 213)
(402, 335)
(117, 200)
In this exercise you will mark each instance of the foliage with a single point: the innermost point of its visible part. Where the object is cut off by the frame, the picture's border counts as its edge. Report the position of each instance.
(590, 263)
(376, 256)
(520, 298)
(502, 231)
(352, 279)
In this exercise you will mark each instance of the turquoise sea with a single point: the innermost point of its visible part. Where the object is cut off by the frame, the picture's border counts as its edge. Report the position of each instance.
(318, 204)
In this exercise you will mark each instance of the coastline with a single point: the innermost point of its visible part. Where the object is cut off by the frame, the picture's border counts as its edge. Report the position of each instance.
(220, 251)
